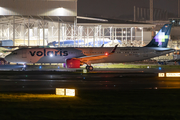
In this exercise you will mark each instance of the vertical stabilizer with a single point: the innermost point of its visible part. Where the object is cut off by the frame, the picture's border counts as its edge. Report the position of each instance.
(162, 38)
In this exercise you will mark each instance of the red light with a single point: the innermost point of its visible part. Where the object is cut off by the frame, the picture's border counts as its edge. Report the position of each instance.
(106, 54)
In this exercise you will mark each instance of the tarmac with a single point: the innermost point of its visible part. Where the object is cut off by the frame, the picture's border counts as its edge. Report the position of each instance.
(47, 80)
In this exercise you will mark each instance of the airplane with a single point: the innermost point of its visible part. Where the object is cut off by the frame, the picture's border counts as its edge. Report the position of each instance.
(70, 43)
(76, 57)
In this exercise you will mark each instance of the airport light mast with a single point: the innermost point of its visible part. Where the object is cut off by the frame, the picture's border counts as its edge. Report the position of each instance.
(151, 10)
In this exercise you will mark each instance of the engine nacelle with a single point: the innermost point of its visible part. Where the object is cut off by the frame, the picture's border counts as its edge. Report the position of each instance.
(72, 63)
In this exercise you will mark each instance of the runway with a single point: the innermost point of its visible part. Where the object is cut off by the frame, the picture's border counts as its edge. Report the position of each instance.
(47, 81)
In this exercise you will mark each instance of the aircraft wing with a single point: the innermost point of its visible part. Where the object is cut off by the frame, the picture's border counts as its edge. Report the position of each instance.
(95, 57)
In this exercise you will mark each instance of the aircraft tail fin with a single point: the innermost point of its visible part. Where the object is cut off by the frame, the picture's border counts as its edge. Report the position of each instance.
(162, 38)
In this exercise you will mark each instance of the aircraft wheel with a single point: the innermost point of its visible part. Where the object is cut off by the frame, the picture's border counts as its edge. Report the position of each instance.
(87, 67)
(90, 68)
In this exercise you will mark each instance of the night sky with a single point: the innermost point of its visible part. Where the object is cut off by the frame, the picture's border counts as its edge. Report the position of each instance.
(117, 8)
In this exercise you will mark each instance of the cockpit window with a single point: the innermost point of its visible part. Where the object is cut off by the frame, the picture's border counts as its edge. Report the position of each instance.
(14, 53)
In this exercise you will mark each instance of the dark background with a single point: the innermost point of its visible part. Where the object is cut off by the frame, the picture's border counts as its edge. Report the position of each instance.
(122, 8)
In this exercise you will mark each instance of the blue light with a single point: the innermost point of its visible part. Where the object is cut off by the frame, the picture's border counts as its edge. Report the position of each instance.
(40, 67)
(58, 67)
(160, 68)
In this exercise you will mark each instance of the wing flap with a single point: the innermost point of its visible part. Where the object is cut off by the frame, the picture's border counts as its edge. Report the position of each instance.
(91, 58)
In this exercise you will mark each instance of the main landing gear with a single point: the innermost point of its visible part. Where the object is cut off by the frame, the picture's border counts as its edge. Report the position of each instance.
(89, 68)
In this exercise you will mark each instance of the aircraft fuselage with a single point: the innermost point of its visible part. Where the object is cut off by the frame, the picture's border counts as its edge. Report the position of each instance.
(60, 55)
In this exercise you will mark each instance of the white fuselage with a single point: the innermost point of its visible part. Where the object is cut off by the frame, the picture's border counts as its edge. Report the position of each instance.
(60, 55)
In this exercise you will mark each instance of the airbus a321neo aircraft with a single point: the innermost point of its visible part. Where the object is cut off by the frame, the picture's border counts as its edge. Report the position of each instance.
(75, 57)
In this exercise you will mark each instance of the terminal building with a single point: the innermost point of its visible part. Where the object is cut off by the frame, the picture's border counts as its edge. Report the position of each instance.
(55, 23)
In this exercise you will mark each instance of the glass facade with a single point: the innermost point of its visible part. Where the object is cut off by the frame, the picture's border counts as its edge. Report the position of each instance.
(36, 32)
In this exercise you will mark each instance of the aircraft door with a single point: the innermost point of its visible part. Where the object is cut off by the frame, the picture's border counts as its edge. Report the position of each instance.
(24, 54)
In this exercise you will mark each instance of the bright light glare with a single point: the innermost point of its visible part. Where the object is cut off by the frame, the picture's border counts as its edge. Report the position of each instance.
(60, 91)
(70, 92)
(84, 71)
(172, 74)
(161, 75)
(169, 75)
(51, 55)
(106, 54)
(63, 91)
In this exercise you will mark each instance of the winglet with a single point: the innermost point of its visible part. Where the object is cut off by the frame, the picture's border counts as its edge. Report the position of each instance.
(102, 45)
(113, 51)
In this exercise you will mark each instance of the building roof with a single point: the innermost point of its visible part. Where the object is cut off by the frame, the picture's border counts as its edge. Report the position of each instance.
(110, 22)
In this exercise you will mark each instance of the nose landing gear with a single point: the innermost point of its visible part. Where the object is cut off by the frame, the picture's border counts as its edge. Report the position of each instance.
(24, 67)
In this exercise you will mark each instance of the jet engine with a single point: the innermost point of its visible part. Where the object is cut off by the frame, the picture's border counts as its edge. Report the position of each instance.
(72, 63)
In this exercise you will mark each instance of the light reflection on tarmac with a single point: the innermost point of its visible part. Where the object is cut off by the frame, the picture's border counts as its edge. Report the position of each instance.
(98, 70)
(48, 79)
(43, 80)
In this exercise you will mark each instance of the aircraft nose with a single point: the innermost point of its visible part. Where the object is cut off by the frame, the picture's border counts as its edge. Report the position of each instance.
(8, 58)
